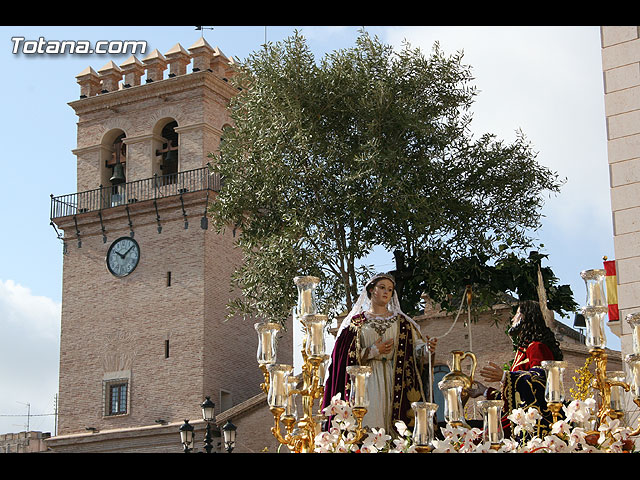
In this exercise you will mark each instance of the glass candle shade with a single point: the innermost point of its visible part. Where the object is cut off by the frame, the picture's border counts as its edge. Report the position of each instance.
(554, 390)
(452, 393)
(633, 360)
(617, 393)
(278, 385)
(492, 420)
(594, 281)
(267, 342)
(633, 319)
(306, 295)
(423, 430)
(322, 368)
(291, 409)
(594, 319)
(314, 325)
(358, 394)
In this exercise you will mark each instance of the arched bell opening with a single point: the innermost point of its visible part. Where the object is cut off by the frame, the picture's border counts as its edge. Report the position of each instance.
(114, 171)
(167, 154)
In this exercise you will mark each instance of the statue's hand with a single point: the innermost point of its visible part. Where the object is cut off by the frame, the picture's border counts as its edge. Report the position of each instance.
(491, 372)
(476, 389)
(431, 344)
(383, 347)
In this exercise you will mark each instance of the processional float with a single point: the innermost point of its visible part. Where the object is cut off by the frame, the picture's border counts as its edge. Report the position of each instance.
(283, 389)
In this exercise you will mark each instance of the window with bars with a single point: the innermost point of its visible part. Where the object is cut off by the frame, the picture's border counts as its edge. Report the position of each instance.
(117, 398)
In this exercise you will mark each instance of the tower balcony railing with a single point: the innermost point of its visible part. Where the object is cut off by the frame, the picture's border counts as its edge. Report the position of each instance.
(156, 187)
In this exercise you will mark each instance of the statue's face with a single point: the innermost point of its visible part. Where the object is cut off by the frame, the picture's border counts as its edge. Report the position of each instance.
(516, 323)
(382, 292)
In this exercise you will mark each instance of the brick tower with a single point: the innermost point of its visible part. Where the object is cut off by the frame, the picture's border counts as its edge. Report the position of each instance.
(145, 277)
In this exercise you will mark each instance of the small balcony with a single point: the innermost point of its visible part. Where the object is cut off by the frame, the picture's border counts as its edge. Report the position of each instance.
(152, 188)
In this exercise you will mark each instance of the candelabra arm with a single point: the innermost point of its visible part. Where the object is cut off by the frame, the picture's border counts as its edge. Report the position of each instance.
(275, 430)
(615, 383)
(555, 408)
(265, 386)
(636, 432)
(358, 413)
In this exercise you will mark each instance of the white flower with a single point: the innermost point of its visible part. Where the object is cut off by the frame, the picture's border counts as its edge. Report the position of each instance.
(443, 446)
(555, 444)
(532, 415)
(516, 416)
(368, 448)
(452, 433)
(402, 429)
(509, 445)
(608, 426)
(561, 427)
(534, 444)
(379, 438)
(324, 442)
(398, 445)
(576, 437)
(483, 447)
(579, 411)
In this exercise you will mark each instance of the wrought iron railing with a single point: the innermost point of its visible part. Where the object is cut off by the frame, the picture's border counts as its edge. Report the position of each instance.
(127, 193)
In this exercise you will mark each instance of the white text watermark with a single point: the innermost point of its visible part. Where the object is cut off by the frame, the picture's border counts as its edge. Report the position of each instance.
(77, 47)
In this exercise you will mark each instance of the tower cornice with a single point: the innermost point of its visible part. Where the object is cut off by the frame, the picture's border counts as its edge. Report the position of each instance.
(157, 89)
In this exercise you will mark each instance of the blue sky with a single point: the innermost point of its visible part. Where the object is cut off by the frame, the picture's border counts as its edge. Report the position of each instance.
(546, 81)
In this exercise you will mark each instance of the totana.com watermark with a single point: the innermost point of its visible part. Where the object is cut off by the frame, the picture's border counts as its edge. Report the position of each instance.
(41, 46)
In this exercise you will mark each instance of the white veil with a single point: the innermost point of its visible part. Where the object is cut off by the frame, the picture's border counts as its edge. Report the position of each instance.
(364, 303)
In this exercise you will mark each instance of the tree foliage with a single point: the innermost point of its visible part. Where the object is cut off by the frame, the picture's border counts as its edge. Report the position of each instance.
(366, 147)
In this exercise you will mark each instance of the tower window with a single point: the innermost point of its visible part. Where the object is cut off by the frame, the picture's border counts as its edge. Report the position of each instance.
(169, 152)
(166, 349)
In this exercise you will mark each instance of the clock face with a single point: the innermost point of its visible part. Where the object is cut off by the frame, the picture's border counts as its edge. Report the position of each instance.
(123, 256)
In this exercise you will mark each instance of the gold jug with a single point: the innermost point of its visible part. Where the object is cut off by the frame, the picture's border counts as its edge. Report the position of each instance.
(456, 371)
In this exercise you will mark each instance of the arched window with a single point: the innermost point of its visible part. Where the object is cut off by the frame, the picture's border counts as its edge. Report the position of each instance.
(169, 154)
(114, 170)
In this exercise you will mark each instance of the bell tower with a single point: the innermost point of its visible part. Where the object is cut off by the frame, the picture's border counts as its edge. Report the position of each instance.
(145, 277)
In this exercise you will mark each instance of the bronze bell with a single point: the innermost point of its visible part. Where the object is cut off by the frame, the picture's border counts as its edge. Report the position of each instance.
(118, 174)
(170, 162)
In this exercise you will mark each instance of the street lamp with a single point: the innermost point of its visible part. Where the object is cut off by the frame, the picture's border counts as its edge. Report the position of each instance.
(186, 436)
(229, 432)
(208, 414)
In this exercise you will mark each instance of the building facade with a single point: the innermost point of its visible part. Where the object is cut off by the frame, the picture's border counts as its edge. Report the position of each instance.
(146, 278)
(621, 73)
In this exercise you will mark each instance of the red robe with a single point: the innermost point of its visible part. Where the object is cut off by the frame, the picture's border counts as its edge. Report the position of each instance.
(524, 385)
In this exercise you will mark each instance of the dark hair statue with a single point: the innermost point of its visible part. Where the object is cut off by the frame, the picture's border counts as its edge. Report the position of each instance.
(373, 282)
(532, 327)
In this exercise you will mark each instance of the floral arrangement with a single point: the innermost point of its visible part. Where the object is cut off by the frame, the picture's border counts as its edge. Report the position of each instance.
(566, 435)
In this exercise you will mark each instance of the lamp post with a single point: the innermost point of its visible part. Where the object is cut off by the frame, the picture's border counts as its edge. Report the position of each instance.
(208, 414)
(186, 436)
(229, 434)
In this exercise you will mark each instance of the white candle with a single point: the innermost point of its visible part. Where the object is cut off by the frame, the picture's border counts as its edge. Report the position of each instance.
(358, 396)
(452, 399)
(267, 352)
(616, 398)
(492, 421)
(554, 384)
(305, 303)
(278, 385)
(360, 391)
(636, 378)
(317, 338)
(636, 339)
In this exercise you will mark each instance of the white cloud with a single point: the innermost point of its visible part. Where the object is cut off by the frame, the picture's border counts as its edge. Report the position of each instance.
(29, 357)
(546, 81)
